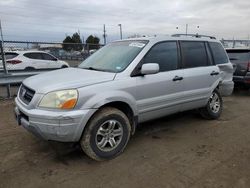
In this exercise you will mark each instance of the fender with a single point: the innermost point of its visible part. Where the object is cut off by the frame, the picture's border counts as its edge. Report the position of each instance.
(101, 99)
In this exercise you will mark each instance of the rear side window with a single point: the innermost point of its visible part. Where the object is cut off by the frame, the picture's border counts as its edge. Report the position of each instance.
(9, 55)
(194, 54)
(33, 55)
(218, 53)
(165, 54)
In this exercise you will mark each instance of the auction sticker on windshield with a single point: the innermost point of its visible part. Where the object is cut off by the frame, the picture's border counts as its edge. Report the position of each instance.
(137, 44)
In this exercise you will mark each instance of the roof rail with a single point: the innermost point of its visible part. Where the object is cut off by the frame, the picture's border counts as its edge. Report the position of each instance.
(193, 35)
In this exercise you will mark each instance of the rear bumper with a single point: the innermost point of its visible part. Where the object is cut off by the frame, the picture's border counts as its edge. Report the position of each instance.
(226, 88)
(242, 80)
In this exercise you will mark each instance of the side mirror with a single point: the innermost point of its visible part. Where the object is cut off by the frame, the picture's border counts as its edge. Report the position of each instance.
(150, 68)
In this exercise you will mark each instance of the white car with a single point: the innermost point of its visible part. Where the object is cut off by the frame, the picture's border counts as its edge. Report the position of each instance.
(31, 60)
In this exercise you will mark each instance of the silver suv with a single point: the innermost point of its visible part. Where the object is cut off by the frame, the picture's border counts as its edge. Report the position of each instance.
(100, 103)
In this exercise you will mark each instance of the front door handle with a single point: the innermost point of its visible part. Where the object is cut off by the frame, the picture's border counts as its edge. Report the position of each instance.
(177, 78)
(214, 73)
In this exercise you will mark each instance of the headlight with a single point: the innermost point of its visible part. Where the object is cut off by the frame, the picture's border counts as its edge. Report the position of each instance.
(65, 99)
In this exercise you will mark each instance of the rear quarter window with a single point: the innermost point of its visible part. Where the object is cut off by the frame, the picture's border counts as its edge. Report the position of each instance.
(9, 55)
(218, 52)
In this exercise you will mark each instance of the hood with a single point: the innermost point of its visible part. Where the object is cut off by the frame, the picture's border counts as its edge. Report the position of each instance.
(67, 78)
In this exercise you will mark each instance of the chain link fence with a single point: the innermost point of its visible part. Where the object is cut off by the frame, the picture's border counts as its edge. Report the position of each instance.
(21, 57)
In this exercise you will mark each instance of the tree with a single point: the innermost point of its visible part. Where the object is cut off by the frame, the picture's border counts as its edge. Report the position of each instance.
(93, 42)
(67, 43)
(73, 43)
(77, 39)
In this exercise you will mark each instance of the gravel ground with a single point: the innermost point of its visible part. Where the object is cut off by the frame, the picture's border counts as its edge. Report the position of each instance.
(182, 150)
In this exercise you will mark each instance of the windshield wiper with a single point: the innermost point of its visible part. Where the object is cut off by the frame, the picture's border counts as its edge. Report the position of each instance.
(96, 69)
(92, 68)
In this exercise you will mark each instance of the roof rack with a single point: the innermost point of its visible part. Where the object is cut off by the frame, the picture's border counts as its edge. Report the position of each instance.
(193, 35)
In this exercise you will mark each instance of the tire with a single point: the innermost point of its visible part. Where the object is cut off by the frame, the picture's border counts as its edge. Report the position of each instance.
(214, 106)
(109, 126)
(64, 66)
(29, 69)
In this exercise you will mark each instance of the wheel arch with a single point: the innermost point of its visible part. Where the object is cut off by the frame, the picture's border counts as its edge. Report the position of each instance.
(127, 110)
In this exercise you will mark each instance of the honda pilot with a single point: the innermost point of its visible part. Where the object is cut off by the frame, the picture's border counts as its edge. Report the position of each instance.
(127, 82)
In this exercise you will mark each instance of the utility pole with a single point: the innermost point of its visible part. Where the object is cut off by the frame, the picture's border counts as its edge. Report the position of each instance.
(186, 29)
(3, 59)
(104, 34)
(1, 32)
(248, 41)
(120, 25)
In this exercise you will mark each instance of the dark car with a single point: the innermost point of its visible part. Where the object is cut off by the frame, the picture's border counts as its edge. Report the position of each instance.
(241, 58)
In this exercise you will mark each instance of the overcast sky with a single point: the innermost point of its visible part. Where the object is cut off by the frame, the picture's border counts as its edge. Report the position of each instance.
(51, 20)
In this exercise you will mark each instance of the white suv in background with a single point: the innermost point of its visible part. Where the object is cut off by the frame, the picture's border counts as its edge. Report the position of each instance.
(31, 60)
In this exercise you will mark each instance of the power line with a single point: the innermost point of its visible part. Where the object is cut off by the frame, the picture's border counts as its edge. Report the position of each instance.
(51, 24)
(59, 7)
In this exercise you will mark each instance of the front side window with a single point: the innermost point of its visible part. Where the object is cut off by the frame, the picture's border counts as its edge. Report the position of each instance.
(165, 54)
(48, 57)
(218, 53)
(193, 54)
(114, 57)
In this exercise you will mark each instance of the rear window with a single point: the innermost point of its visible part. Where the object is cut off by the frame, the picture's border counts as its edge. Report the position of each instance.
(9, 55)
(238, 55)
(218, 52)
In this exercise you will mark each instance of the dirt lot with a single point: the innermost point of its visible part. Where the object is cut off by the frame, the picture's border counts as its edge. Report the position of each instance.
(178, 151)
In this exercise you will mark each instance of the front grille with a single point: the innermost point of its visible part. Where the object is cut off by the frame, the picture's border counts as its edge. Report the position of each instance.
(26, 94)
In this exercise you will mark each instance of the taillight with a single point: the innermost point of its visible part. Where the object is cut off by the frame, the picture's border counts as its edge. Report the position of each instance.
(13, 62)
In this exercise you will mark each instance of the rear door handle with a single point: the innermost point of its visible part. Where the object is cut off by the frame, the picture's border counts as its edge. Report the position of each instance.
(214, 73)
(177, 78)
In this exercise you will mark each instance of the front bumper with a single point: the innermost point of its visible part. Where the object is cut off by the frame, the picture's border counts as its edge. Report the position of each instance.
(63, 126)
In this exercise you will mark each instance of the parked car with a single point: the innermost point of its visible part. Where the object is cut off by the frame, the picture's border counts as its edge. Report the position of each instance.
(125, 83)
(241, 58)
(31, 60)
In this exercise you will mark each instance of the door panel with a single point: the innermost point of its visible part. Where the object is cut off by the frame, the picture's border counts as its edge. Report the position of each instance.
(198, 83)
(158, 95)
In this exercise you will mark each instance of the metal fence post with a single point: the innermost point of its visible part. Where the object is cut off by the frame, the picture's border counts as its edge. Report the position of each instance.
(5, 68)
(88, 48)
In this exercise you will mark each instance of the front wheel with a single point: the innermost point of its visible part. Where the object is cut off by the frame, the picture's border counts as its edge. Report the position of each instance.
(106, 135)
(64, 66)
(214, 106)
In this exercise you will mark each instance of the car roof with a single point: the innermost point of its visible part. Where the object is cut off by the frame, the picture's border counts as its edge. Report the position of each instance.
(25, 51)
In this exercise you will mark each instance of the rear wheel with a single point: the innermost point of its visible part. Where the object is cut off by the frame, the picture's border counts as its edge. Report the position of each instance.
(106, 135)
(214, 106)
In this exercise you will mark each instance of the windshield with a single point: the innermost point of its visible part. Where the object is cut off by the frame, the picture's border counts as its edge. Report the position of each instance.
(114, 57)
(239, 55)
